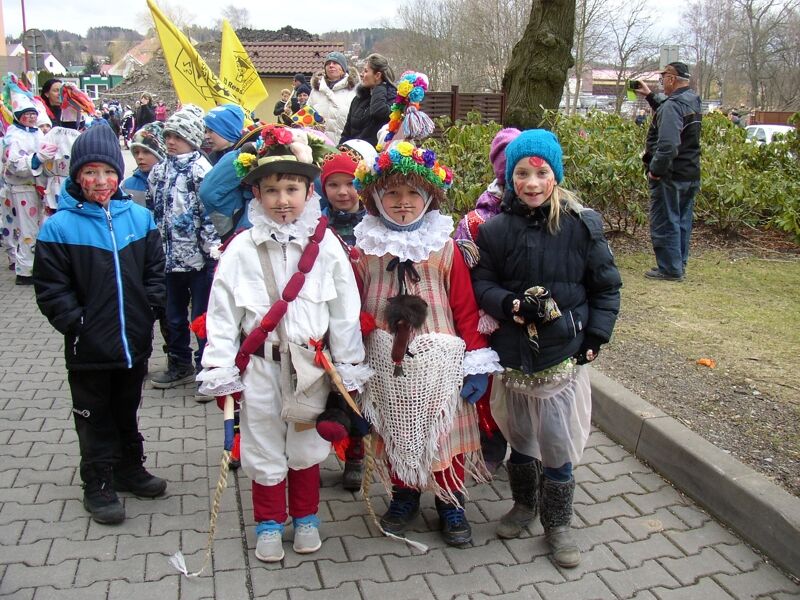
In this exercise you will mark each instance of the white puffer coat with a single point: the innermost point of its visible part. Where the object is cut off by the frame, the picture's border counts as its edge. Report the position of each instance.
(333, 103)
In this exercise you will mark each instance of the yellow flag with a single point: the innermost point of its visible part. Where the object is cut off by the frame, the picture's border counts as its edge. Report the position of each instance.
(194, 82)
(237, 73)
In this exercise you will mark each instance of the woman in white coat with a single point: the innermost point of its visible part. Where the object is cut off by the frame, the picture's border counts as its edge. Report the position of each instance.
(332, 91)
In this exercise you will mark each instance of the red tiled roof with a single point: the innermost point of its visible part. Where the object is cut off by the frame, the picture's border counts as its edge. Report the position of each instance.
(288, 58)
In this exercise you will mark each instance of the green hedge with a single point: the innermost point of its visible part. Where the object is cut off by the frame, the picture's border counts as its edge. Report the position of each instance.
(743, 185)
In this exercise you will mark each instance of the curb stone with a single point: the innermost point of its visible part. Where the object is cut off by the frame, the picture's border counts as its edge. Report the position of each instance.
(764, 514)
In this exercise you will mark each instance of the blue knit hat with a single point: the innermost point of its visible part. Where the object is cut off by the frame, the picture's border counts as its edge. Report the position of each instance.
(535, 142)
(96, 144)
(226, 120)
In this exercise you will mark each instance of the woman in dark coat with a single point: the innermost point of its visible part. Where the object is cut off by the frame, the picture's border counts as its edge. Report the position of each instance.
(145, 113)
(370, 109)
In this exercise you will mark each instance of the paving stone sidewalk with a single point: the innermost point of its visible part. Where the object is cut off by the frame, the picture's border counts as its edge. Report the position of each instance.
(640, 538)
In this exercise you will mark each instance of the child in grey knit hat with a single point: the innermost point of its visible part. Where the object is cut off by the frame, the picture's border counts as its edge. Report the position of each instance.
(190, 240)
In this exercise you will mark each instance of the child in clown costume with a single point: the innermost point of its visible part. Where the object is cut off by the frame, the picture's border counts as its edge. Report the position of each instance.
(22, 205)
(280, 448)
(431, 364)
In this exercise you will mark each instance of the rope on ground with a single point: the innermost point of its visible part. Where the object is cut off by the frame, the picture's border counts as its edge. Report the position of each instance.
(369, 469)
(177, 560)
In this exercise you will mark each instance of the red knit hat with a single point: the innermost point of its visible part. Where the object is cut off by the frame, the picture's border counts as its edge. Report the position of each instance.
(338, 163)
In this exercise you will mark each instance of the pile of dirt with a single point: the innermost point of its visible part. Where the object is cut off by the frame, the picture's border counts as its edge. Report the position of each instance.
(154, 77)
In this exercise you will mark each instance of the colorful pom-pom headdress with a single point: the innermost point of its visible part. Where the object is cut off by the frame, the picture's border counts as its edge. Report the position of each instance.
(407, 121)
(402, 163)
(280, 149)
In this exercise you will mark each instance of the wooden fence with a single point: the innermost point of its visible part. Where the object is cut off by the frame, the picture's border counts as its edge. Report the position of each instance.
(770, 117)
(456, 105)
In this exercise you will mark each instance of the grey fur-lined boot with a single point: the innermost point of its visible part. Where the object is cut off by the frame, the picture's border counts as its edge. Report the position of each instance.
(525, 481)
(556, 515)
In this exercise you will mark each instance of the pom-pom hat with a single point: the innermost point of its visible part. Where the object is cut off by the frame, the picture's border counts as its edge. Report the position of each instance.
(535, 142)
(403, 163)
(280, 149)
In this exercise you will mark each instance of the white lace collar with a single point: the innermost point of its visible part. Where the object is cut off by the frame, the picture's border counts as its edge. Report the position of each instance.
(265, 228)
(374, 238)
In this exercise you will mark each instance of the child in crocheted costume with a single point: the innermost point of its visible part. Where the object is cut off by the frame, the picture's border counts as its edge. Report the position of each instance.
(431, 364)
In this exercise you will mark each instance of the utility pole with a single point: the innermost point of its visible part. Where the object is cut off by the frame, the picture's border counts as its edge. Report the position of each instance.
(24, 29)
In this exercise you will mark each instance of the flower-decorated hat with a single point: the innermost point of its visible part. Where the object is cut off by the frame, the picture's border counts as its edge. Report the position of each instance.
(280, 149)
(402, 163)
(407, 121)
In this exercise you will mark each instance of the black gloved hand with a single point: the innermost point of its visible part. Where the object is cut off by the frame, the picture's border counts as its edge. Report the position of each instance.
(525, 309)
(591, 344)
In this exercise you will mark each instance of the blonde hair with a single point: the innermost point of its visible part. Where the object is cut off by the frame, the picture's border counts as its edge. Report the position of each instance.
(561, 199)
(285, 91)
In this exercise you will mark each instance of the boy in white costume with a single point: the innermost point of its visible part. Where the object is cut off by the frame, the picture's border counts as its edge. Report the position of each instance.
(279, 446)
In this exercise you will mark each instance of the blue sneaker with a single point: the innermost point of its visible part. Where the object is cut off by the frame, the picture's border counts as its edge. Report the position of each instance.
(306, 534)
(269, 545)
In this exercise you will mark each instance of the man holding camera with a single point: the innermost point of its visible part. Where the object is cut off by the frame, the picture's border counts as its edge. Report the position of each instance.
(672, 161)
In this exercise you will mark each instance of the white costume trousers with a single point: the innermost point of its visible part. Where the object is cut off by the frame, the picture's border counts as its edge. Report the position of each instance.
(269, 445)
(28, 208)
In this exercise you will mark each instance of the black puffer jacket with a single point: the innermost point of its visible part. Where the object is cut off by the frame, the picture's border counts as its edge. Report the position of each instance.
(575, 264)
(369, 111)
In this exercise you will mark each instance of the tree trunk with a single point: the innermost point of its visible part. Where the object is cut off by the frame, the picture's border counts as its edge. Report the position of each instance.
(535, 76)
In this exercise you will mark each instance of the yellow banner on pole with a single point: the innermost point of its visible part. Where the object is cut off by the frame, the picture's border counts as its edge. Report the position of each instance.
(237, 72)
(193, 81)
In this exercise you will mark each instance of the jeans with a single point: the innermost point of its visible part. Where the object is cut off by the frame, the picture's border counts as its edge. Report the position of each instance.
(183, 289)
(671, 213)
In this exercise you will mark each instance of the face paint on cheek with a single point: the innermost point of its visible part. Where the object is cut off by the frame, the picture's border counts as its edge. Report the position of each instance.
(550, 184)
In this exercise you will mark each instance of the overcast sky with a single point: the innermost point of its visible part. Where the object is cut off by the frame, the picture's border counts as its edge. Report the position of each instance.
(315, 16)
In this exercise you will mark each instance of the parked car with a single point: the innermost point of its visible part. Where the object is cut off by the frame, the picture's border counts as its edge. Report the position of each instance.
(763, 134)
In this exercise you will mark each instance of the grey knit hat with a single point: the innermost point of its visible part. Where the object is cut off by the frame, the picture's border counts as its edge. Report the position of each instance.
(188, 123)
(151, 138)
(97, 144)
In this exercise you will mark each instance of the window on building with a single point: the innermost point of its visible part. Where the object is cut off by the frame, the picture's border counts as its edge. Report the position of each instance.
(93, 90)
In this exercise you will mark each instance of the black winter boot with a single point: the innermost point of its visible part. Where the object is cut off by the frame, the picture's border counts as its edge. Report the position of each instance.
(525, 480)
(556, 516)
(131, 476)
(403, 509)
(353, 464)
(176, 374)
(99, 497)
(456, 530)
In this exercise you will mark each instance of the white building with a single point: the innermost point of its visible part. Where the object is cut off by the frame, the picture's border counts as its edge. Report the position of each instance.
(47, 61)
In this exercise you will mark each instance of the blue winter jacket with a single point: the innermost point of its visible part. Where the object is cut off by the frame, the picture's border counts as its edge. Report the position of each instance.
(99, 279)
(136, 187)
(225, 198)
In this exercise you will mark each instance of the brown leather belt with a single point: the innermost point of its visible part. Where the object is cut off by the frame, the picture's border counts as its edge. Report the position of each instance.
(260, 351)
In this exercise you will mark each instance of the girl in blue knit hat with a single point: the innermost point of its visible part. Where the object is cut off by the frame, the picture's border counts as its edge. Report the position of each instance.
(546, 273)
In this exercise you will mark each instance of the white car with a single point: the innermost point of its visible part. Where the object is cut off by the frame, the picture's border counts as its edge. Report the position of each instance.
(763, 134)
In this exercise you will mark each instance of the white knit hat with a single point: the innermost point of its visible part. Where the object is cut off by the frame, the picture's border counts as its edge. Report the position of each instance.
(188, 123)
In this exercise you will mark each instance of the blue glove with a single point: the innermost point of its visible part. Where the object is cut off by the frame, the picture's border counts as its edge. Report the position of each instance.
(474, 387)
(35, 161)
